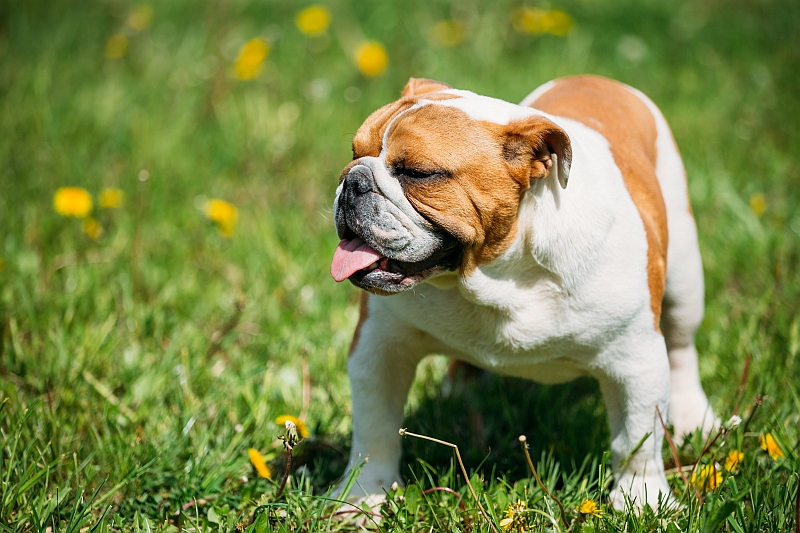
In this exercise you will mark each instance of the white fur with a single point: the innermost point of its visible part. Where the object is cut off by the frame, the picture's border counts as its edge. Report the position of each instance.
(570, 297)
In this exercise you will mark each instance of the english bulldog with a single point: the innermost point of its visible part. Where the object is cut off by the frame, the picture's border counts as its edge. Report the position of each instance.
(546, 240)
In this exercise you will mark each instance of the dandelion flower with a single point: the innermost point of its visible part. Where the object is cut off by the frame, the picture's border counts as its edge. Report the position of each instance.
(302, 429)
(224, 214)
(449, 32)
(733, 460)
(250, 61)
(537, 21)
(590, 507)
(556, 23)
(72, 202)
(313, 20)
(371, 58)
(92, 228)
(116, 46)
(706, 478)
(110, 198)
(140, 18)
(758, 204)
(516, 518)
(768, 444)
(259, 463)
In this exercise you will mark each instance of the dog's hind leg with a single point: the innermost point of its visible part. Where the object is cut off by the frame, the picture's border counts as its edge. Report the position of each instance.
(682, 312)
(682, 306)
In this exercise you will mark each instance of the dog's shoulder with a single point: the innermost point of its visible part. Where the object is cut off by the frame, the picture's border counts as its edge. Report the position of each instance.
(626, 121)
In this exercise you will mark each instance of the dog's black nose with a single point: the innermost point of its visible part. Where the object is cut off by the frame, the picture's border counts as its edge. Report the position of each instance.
(360, 180)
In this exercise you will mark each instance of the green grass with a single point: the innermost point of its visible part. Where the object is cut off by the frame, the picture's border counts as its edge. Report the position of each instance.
(131, 386)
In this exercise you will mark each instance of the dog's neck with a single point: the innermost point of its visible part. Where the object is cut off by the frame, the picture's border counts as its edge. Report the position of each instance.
(559, 238)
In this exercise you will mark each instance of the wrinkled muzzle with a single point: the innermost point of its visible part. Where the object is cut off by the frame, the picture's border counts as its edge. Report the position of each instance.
(380, 230)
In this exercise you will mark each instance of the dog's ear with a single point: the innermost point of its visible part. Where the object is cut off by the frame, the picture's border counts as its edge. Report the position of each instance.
(417, 86)
(533, 142)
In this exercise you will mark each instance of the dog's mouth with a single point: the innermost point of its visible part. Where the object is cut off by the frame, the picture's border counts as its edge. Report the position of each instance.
(357, 261)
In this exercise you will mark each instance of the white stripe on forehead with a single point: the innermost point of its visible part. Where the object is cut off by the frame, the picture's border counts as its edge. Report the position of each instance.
(487, 109)
(382, 155)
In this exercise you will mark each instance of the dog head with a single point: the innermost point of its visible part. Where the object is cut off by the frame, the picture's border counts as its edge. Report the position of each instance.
(435, 185)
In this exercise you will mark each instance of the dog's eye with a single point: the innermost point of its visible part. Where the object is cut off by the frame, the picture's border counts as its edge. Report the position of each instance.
(414, 173)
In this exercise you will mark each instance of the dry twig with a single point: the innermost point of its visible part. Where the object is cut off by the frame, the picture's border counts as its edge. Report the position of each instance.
(742, 383)
(404, 432)
(524, 441)
(306, 387)
(233, 321)
(674, 451)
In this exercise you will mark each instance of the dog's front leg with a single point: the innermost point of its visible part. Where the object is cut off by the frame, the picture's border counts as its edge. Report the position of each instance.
(636, 380)
(381, 368)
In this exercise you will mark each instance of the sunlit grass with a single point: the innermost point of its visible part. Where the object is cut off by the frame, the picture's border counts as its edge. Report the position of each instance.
(145, 353)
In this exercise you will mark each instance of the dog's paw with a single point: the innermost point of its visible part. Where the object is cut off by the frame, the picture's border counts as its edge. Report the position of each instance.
(690, 411)
(641, 491)
(365, 490)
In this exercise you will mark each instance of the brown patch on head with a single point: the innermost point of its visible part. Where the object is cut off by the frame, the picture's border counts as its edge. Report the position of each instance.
(468, 176)
(621, 117)
(362, 317)
(368, 140)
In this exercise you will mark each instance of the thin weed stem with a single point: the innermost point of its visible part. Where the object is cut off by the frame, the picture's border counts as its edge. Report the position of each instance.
(404, 433)
(674, 451)
(742, 383)
(524, 441)
(230, 324)
(757, 402)
(306, 388)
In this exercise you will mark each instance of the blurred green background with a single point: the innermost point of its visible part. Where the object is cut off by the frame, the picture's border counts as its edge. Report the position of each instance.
(151, 357)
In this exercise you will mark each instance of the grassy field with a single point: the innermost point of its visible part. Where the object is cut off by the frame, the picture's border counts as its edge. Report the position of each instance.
(142, 355)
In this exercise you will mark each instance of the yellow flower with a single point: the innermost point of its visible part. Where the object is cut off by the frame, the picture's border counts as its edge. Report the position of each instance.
(733, 460)
(449, 32)
(706, 478)
(768, 444)
(110, 198)
(313, 20)
(371, 58)
(251, 58)
(72, 202)
(140, 18)
(589, 507)
(516, 517)
(224, 214)
(557, 23)
(302, 429)
(116, 46)
(758, 204)
(259, 463)
(538, 21)
(92, 228)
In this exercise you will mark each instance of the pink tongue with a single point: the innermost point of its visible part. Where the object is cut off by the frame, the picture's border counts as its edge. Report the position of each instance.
(350, 257)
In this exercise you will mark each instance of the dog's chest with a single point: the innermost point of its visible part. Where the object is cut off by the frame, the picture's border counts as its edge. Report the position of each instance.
(538, 324)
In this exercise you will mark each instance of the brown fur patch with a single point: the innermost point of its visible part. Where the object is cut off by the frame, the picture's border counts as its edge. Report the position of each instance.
(368, 140)
(621, 117)
(474, 193)
(362, 317)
